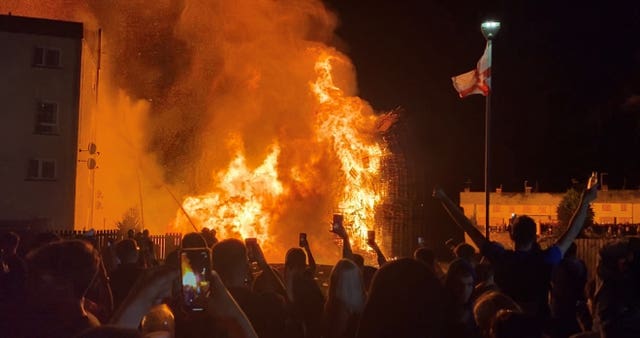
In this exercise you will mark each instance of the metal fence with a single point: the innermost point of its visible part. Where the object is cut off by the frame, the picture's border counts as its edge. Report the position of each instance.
(163, 243)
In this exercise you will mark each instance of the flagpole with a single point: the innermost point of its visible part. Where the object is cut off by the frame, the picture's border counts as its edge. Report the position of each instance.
(487, 139)
(489, 30)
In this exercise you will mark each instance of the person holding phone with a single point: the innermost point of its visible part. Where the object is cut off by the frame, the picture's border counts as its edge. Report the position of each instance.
(265, 310)
(371, 241)
(337, 227)
(156, 286)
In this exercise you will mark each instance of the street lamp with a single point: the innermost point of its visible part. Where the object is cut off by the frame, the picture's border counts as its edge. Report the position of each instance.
(489, 30)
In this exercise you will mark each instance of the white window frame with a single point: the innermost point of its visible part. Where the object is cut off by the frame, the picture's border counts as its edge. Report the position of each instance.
(51, 126)
(40, 175)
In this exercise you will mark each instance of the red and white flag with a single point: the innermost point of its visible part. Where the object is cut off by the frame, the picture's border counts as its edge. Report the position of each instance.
(477, 81)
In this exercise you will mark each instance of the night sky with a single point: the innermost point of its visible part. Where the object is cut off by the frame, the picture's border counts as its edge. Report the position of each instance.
(566, 81)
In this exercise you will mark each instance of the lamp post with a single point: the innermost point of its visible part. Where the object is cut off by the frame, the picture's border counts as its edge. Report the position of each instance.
(489, 30)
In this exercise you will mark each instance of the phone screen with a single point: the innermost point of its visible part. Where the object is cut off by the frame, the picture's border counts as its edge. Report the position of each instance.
(303, 239)
(337, 221)
(195, 267)
(371, 236)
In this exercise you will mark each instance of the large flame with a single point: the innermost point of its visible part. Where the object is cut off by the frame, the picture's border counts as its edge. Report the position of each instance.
(242, 202)
(245, 202)
(342, 122)
(240, 108)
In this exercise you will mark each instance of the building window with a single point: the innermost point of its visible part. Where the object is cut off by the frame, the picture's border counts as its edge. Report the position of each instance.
(47, 118)
(41, 169)
(46, 57)
(606, 207)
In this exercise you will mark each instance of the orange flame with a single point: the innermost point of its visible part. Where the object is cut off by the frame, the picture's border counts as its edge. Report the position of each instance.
(240, 204)
(245, 202)
(341, 120)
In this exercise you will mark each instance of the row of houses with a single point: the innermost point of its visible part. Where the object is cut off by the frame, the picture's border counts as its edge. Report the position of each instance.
(611, 207)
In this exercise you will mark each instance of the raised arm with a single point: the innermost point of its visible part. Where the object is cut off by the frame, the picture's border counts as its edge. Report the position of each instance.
(312, 261)
(346, 245)
(381, 259)
(463, 222)
(267, 271)
(579, 216)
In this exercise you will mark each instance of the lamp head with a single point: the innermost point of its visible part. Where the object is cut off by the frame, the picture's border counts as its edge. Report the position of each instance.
(490, 29)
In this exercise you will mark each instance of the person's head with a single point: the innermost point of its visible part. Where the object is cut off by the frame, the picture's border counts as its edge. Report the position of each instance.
(208, 236)
(295, 261)
(61, 270)
(425, 255)
(523, 232)
(465, 251)
(229, 259)
(127, 251)
(145, 233)
(346, 286)
(193, 240)
(9, 242)
(485, 272)
(614, 259)
(359, 260)
(460, 280)
(131, 233)
(514, 324)
(43, 239)
(488, 305)
(405, 300)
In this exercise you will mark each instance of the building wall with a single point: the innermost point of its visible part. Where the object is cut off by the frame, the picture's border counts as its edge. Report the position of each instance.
(611, 207)
(23, 88)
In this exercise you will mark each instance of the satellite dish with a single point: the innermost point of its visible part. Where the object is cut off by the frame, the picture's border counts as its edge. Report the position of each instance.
(91, 164)
(92, 148)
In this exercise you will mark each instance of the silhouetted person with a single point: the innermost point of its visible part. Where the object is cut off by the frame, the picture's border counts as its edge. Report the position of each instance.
(405, 300)
(459, 283)
(616, 308)
(513, 324)
(209, 236)
(304, 297)
(524, 273)
(12, 269)
(345, 301)
(59, 275)
(487, 307)
(428, 257)
(128, 271)
(263, 310)
(568, 281)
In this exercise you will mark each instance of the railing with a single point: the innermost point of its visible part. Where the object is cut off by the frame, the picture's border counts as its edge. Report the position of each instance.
(163, 244)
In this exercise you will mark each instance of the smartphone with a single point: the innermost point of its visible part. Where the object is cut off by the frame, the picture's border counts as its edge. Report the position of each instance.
(421, 241)
(337, 222)
(371, 236)
(195, 268)
(303, 240)
(250, 243)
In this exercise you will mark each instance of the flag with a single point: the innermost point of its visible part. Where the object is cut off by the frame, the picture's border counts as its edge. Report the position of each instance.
(477, 81)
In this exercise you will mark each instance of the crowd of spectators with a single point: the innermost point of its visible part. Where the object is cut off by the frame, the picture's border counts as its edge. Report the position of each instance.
(67, 288)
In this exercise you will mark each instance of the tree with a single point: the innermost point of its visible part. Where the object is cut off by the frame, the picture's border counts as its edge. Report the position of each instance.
(567, 206)
(130, 220)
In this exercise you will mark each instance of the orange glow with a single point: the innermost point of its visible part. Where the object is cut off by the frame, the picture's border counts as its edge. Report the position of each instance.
(240, 109)
(245, 202)
(242, 202)
(342, 122)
